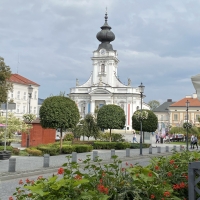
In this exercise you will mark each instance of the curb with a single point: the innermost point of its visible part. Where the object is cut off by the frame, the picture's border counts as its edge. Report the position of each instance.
(14, 175)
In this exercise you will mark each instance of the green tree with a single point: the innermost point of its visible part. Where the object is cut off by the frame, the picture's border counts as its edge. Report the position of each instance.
(5, 86)
(111, 117)
(91, 126)
(59, 112)
(14, 124)
(148, 125)
(153, 104)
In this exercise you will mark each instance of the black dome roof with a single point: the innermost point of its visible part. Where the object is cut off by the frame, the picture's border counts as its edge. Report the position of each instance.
(105, 36)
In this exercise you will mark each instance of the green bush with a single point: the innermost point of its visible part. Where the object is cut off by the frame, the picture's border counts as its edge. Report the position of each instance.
(8, 148)
(16, 151)
(84, 142)
(34, 152)
(82, 148)
(67, 149)
(137, 145)
(68, 137)
(52, 150)
(122, 145)
(115, 137)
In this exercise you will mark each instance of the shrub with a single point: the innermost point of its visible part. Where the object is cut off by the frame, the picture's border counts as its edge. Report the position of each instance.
(115, 137)
(34, 152)
(68, 137)
(82, 148)
(137, 145)
(67, 149)
(16, 151)
(8, 148)
(52, 150)
(104, 145)
(122, 145)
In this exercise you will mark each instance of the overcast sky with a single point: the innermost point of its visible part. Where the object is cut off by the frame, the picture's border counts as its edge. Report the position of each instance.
(158, 42)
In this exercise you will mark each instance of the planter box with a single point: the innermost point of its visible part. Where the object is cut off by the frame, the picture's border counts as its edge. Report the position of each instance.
(5, 155)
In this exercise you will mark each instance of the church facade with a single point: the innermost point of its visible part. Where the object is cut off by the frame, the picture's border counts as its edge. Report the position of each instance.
(103, 86)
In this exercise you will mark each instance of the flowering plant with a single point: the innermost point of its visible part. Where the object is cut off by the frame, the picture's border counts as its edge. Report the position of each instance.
(141, 115)
(164, 178)
(187, 125)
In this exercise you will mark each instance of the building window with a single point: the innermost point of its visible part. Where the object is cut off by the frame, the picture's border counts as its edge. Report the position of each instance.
(161, 118)
(197, 118)
(24, 95)
(175, 117)
(102, 68)
(34, 110)
(24, 109)
(18, 94)
(122, 106)
(18, 108)
(30, 109)
(35, 95)
(186, 117)
(11, 95)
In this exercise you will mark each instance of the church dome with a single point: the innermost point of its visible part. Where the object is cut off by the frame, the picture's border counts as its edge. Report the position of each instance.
(105, 35)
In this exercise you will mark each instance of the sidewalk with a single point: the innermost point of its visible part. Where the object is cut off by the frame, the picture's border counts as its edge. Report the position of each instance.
(31, 165)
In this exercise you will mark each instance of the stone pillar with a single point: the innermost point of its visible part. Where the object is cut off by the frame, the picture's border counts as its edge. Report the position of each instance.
(150, 150)
(74, 157)
(12, 164)
(158, 149)
(127, 152)
(112, 152)
(46, 160)
(95, 155)
(167, 148)
(174, 148)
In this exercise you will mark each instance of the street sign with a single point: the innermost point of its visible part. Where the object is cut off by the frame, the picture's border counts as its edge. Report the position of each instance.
(11, 106)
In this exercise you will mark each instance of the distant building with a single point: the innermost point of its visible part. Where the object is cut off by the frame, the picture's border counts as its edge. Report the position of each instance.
(178, 114)
(104, 86)
(163, 114)
(20, 96)
(40, 102)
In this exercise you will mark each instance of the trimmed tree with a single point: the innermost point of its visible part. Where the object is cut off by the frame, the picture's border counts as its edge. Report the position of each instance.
(148, 125)
(153, 104)
(111, 117)
(5, 86)
(59, 112)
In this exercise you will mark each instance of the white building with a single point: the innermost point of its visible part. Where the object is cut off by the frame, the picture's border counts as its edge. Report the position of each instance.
(103, 86)
(20, 96)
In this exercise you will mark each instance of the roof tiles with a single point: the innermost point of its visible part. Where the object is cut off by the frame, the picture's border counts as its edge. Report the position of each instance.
(16, 78)
(194, 102)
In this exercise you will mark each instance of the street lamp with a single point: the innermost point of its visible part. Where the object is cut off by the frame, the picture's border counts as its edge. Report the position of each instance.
(187, 103)
(141, 90)
(30, 90)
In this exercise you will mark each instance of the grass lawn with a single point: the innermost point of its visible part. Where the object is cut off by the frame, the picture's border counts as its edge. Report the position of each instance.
(179, 143)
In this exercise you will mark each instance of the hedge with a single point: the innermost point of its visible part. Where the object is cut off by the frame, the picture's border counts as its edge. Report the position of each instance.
(34, 152)
(82, 148)
(137, 145)
(67, 149)
(111, 145)
(8, 148)
(52, 150)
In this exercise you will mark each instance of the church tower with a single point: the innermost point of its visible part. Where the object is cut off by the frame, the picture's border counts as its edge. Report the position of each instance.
(104, 87)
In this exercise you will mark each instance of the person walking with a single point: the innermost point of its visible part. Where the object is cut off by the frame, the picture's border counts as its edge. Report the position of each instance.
(191, 141)
(134, 137)
(157, 138)
(195, 141)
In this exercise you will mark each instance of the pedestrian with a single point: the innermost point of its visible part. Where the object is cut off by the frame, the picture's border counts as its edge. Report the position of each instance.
(134, 137)
(157, 138)
(191, 141)
(195, 141)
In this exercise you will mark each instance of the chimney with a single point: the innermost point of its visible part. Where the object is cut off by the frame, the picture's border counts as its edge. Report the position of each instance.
(169, 100)
(194, 96)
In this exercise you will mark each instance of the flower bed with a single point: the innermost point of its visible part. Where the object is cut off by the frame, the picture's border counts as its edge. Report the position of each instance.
(164, 178)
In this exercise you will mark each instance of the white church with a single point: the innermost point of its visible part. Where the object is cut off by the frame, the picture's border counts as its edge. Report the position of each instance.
(103, 86)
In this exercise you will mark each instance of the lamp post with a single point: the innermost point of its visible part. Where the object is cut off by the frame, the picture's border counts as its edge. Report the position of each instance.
(141, 90)
(187, 103)
(30, 90)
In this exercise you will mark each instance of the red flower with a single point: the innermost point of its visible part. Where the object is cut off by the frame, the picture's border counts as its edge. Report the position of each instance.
(182, 185)
(149, 174)
(171, 162)
(166, 194)
(123, 169)
(39, 177)
(21, 182)
(27, 180)
(11, 198)
(162, 199)
(126, 164)
(152, 196)
(102, 189)
(131, 165)
(32, 182)
(80, 159)
(176, 187)
(60, 170)
(157, 167)
(78, 177)
(175, 166)
(169, 174)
